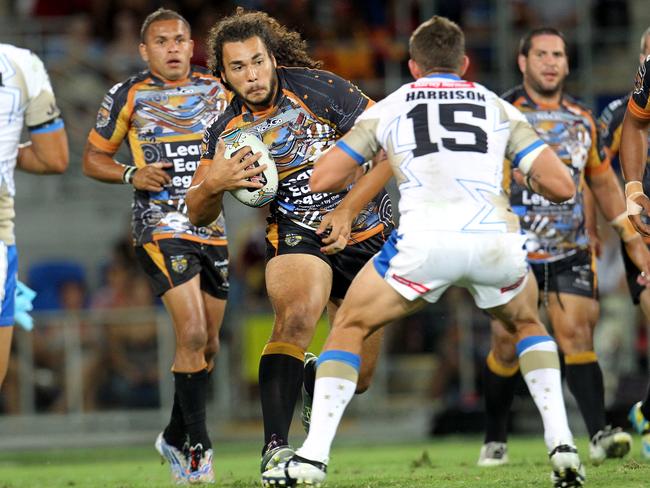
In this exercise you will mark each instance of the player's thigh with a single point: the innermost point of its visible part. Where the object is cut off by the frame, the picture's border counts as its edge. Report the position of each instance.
(298, 286)
(372, 302)
(520, 314)
(186, 307)
(214, 285)
(573, 318)
(5, 350)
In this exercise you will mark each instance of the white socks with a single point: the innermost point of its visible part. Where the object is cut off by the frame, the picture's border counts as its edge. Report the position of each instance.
(540, 367)
(336, 380)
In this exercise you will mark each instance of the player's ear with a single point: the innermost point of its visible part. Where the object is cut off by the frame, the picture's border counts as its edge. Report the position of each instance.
(143, 52)
(464, 66)
(521, 62)
(415, 70)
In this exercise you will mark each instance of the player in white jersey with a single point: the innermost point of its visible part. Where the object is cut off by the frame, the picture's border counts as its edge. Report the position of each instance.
(446, 140)
(26, 97)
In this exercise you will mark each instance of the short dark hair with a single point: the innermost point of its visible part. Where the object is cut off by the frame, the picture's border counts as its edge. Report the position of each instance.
(526, 42)
(288, 48)
(158, 15)
(437, 44)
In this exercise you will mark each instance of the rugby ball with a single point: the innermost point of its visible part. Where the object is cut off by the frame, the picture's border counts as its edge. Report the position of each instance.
(254, 197)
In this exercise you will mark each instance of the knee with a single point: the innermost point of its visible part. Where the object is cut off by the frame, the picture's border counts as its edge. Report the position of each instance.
(212, 349)
(193, 337)
(576, 339)
(293, 324)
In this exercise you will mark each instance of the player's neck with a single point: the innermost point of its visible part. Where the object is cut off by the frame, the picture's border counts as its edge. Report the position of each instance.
(542, 99)
(167, 81)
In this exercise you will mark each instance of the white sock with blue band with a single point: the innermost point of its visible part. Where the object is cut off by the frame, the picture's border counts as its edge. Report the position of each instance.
(337, 373)
(540, 367)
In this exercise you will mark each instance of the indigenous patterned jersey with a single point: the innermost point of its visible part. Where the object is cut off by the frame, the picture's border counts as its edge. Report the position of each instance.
(556, 231)
(447, 140)
(313, 108)
(163, 122)
(610, 125)
(25, 97)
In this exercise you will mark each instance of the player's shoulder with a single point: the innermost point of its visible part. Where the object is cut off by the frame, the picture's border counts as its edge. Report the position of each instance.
(21, 59)
(122, 88)
(14, 52)
(204, 74)
(313, 81)
(516, 96)
(614, 112)
(577, 106)
(221, 123)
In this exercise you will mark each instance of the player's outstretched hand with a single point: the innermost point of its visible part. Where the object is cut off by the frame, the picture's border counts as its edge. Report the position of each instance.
(234, 172)
(152, 177)
(638, 204)
(335, 230)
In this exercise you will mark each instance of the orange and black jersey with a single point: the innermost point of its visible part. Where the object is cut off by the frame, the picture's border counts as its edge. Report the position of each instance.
(610, 124)
(163, 122)
(556, 231)
(312, 110)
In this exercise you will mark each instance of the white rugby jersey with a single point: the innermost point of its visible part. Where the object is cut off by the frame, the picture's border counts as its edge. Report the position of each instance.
(448, 141)
(25, 97)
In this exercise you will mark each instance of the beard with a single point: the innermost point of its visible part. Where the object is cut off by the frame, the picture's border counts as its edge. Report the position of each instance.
(546, 91)
(267, 101)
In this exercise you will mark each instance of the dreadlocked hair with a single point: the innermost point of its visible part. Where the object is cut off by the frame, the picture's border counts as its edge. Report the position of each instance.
(288, 48)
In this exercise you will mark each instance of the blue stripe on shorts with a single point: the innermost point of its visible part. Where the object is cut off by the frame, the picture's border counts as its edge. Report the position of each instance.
(9, 301)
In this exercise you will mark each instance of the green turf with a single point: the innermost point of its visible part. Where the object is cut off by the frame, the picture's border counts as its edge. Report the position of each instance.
(436, 463)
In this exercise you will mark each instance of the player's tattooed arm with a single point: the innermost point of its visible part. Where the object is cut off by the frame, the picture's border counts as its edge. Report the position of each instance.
(548, 176)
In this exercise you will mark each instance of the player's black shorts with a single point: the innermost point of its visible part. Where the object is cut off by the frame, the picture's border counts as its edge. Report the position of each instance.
(286, 237)
(631, 274)
(575, 275)
(172, 262)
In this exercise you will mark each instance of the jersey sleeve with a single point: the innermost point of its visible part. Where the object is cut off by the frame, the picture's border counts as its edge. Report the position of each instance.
(361, 141)
(346, 101)
(112, 123)
(596, 161)
(211, 137)
(524, 145)
(610, 124)
(638, 104)
(41, 113)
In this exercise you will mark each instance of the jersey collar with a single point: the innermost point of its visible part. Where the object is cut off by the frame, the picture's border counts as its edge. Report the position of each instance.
(449, 76)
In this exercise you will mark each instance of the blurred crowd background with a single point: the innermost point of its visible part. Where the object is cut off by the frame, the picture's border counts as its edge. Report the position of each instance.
(102, 342)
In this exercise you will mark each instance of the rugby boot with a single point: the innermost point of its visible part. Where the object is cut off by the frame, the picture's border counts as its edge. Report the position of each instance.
(642, 427)
(176, 458)
(493, 454)
(568, 471)
(609, 443)
(297, 471)
(199, 469)
(276, 452)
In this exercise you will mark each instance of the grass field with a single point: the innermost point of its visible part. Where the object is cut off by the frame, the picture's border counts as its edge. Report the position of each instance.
(436, 463)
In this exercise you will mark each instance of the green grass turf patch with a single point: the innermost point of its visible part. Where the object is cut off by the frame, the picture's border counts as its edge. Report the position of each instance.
(436, 463)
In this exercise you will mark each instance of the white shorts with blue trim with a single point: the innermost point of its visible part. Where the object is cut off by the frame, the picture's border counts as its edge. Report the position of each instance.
(8, 277)
(423, 264)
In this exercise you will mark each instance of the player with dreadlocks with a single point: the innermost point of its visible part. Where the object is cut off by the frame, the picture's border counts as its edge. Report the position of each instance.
(316, 242)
